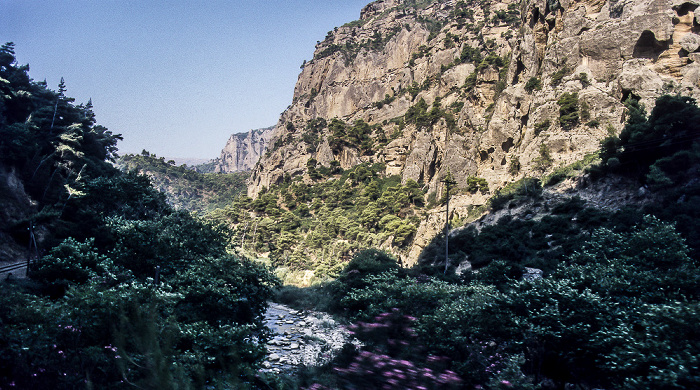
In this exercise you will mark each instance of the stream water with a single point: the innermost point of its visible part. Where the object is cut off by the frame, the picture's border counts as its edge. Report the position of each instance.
(301, 338)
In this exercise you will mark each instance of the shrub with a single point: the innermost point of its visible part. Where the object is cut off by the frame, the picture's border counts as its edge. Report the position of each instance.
(568, 110)
(514, 165)
(475, 184)
(559, 75)
(542, 126)
(533, 84)
(544, 160)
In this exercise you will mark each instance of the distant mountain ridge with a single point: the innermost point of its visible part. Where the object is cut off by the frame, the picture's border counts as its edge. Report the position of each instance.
(242, 151)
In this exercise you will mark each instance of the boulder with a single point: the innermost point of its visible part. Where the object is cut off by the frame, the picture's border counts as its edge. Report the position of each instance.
(690, 42)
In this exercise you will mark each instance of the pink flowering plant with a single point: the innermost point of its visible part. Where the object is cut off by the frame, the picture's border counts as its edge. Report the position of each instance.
(392, 358)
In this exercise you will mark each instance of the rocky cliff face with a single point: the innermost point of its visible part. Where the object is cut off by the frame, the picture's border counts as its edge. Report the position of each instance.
(498, 90)
(243, 150)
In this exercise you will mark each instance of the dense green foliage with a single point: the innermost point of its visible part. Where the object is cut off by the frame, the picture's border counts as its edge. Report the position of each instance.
(671, 128)
(663, 153)
(54, 144)
(352, 48)
(128, 293)
(568, 110)
(318, 226)
(612, 304)
(186, 189)
(533, 84)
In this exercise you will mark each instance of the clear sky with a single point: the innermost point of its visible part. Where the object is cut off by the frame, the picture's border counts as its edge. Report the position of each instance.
(174, 77)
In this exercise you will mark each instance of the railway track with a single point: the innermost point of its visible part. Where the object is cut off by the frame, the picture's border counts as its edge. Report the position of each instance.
(14, 268)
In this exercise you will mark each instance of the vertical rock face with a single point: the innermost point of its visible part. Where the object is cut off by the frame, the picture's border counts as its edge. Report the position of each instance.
(497, 75)
(243, 150)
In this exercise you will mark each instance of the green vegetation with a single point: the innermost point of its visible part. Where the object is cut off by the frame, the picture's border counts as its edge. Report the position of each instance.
(422, 52)
(470, 82)
(420, 116)
(568, 110)
(456, 107)
(585, 111)
(318, 226)
(130, 293)
(593, 123)
(533, 84)
(571, 170)
(514, 193)
(185, 188)
(559, 75)
(662, 152)
(351, 49)
(462, 14)
(470, 55)
(600, 314)
(514, 165)
(477, 184)
(583, 78)
(544, 160)
(510, 16)
(126, 292)
(388, 99)
(542, 126)
(670, 129)
(356, 136)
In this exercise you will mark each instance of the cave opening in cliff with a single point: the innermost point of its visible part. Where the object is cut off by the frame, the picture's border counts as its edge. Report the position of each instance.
(627, 94)
(507, 144)
(683, 9)
(648, 46)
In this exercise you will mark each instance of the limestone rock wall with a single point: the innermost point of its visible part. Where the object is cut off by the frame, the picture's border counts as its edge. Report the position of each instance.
(243, 150)
(398, 53)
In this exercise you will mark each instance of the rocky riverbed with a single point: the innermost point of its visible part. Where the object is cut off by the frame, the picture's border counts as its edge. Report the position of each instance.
(301, 338)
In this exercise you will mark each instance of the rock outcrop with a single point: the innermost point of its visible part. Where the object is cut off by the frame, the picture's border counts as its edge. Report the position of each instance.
(243, 150)
(497, 78)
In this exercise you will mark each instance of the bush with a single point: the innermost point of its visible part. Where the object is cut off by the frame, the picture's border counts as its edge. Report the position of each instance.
(533, 84)
(541, 126)
(559, 75)
(544, 160)
(568, 110)
(368, 262)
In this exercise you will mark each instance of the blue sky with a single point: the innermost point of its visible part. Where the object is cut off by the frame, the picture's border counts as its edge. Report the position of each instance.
(174, 77)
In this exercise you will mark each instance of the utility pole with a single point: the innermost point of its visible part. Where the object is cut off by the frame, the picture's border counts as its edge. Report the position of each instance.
(33, 252)
(448, 184)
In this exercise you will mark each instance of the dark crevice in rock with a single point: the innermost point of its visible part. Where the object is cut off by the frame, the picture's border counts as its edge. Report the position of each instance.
(519, 68)
(432, 167)
(523, 120)
(683, 9)
(534, 17)
(507, 144)
(626, 93)
(483, 155)
(648, 46)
